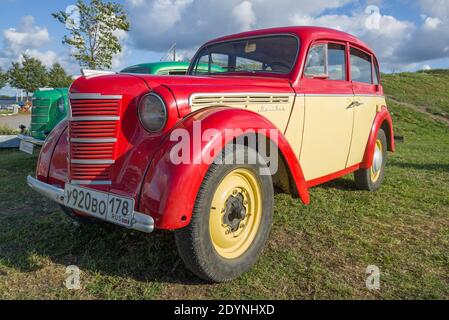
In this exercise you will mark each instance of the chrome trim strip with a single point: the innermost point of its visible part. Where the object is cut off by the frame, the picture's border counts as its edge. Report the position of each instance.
(82, 140)
(342, 95)
(92, 182)
(31, 140)
(238, 94)
(112, 118)
(370, 95)
(93, 96)
(318, 95)
(92, 161)
(140, 222)
(91, 72)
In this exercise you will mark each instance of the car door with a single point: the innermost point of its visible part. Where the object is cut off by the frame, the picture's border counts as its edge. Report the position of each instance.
(365, 82)
(329, 115)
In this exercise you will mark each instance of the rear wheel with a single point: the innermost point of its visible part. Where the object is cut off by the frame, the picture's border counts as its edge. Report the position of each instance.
(231, 221)
(371, 179)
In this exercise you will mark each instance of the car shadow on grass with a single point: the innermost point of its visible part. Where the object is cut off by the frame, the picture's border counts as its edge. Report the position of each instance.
(345, 184)
(27, 242)
(421, 166)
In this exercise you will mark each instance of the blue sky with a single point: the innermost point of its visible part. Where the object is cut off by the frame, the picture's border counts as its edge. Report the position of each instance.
(408, 35)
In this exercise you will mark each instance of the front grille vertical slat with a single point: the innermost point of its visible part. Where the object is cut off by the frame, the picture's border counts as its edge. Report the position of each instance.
(93, 130)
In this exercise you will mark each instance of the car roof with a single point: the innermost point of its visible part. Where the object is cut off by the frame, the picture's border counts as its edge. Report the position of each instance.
(304, 33)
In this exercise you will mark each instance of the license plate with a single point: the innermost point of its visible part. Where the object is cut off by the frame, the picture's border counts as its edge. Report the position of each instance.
(99, 204)
(26, 147)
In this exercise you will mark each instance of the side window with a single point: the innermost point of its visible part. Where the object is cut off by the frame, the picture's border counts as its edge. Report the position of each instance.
(361, 68)
(327, 60)
(219, 59)
(202, 64)
(337, 61)
(244, 64)
(376, 75)
(316, 65)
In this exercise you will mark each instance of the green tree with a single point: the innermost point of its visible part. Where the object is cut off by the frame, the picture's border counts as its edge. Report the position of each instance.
(29, 75)
(3, 78)
(94, 36)
(58, 77)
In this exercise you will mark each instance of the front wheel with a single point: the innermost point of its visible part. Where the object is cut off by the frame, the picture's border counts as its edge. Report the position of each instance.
(371, 179)
(231, 221)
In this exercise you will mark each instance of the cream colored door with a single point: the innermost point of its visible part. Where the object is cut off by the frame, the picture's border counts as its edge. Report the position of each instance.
(327, 134)
(329, 113)
(365, 80)
(364, 115)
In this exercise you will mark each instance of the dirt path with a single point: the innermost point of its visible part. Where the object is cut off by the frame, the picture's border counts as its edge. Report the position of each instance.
(15, 121)
(421, 109)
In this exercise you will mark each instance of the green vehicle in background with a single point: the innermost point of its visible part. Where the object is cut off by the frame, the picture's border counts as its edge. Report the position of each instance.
(171, 68)
(50, 105)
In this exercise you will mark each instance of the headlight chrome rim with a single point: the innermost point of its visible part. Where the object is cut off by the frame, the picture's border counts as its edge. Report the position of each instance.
(139, 111)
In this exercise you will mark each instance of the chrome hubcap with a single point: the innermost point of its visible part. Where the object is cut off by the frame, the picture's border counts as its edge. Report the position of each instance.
(377, 161)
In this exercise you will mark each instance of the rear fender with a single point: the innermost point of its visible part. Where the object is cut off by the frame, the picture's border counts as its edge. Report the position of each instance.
(382, 120)
(169, 190)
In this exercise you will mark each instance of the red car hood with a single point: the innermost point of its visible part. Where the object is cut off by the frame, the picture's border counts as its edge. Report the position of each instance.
(183, 87)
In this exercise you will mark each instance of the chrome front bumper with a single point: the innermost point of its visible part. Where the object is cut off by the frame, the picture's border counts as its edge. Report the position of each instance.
(141, 222)
(31, 140)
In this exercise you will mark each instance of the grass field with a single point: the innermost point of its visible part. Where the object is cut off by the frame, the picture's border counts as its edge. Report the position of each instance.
(319, 251)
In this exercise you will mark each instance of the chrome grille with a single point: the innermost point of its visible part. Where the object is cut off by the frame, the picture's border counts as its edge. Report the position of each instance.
(93, 130)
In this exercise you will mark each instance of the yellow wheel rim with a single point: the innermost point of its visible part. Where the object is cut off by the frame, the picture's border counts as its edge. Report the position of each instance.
(376, 168)
(235, 213)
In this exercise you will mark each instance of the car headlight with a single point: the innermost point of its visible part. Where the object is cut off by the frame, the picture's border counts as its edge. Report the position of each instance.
(152, 112)
(61, 105)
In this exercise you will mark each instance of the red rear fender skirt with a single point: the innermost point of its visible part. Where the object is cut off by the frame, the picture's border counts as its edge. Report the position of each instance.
(381, 117)
(169, 191)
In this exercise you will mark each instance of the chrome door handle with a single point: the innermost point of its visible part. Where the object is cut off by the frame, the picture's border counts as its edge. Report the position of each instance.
(355, 104)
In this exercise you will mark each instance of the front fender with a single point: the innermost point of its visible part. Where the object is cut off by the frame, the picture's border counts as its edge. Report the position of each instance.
(169, 190)
(46, 154)
(382, 120)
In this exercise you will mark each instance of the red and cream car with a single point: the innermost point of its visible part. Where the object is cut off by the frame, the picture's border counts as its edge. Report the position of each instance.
(313, 94)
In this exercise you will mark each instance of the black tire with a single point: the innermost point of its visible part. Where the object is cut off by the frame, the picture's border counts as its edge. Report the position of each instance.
(363, 179)
(194, 241)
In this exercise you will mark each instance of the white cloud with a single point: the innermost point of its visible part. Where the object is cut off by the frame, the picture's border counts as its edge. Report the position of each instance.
(432, 23)
(118, 60)
(27, 35)
(244, 15)
(28, 38)
(435, 8)
(48, 58)
(385, 39)
(157, 24)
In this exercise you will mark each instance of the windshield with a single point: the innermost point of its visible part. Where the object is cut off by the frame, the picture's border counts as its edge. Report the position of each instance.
(273, 54)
